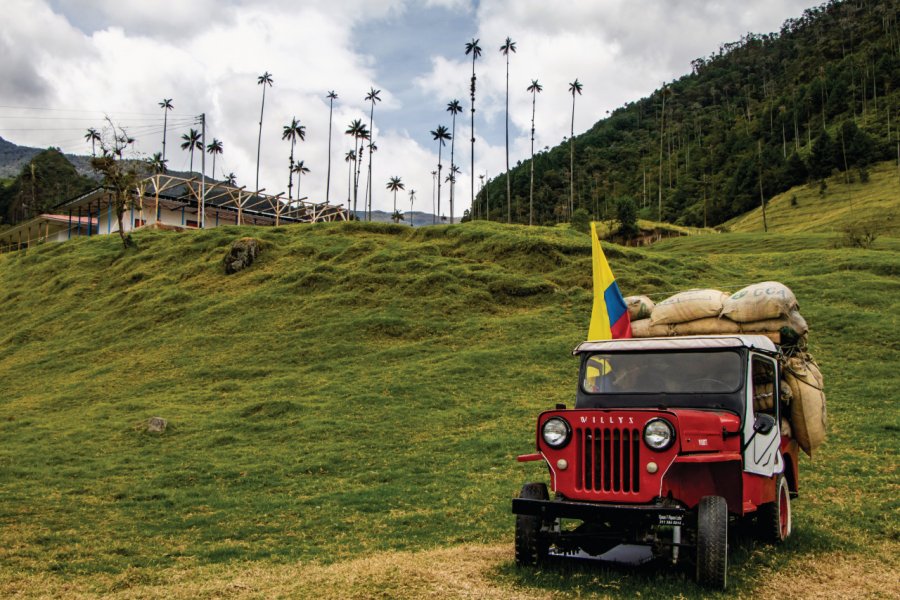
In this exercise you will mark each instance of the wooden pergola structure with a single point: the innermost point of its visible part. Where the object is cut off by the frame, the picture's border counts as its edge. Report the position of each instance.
(221, 195)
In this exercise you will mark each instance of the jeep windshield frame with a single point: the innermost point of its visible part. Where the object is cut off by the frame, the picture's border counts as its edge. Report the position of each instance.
(713, 379)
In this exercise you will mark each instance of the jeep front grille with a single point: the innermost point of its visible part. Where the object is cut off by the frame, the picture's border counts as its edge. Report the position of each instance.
(608, 459)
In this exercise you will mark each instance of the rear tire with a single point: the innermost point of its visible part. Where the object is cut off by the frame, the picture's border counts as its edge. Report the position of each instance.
(712, 542)
(774, 518)
(531, 549)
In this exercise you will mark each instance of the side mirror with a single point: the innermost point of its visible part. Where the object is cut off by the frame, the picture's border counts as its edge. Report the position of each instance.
(764, 424)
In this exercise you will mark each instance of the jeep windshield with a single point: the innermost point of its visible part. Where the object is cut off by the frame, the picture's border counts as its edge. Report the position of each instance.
(695, 379)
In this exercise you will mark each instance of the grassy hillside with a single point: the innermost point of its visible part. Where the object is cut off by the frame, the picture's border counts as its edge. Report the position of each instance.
(809, 208)
(344, 416)
(819, 94)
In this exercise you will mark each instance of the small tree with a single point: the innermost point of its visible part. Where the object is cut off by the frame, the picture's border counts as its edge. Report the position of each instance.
(626, 214)
(119, 175)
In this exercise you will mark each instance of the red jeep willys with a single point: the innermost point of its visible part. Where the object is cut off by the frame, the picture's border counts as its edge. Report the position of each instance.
(662, 448)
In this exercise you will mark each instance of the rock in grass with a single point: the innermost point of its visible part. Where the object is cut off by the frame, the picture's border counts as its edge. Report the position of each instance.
(241, 255)
(156, 425)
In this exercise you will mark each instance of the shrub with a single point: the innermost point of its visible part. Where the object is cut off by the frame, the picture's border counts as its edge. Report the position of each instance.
(860, 235)
(581, 220)
(863, 175)
(626, 214)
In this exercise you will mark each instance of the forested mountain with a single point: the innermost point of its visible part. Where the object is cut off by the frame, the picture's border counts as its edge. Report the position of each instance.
(44, 182)
(754, 118)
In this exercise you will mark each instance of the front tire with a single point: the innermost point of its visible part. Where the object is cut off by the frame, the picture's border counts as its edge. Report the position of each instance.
(774, 518)
(531, 549)
(712, 542)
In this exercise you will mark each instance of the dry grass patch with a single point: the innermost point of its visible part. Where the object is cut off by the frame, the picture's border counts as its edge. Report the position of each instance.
(459, 572)
(836, 576)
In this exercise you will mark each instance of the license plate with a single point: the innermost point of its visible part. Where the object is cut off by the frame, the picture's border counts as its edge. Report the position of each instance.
(671, 520)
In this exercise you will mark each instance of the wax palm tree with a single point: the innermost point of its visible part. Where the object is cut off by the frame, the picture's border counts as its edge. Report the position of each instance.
(350, 159)
(166, 105)
(293, 132)
(475, 50)
(191, 141)
(372, 97)
(331, 98)
(264, 80)
(441, 135)
(535, 88)
(506, 48)
(451, 176)
(215, 147)
(231, 179)
(412, 196)
(356, 130)
(157, 163)
(300, 169)
(574, 87)
(454, 108)
(395, 185)
(92, 136)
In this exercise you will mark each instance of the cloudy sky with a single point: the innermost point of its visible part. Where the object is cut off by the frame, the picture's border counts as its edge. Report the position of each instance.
(67, 63)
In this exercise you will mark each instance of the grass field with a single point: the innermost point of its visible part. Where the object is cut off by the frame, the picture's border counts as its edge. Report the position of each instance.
(804, 209)
(344, 416)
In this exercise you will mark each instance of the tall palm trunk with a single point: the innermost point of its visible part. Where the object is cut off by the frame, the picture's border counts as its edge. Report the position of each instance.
(349, 181)
(472, 164)
(328, 181)
(369, 178)
(508, 192)
(165, 127)
(452, 181)
(259, 141)
(438, 215)
(356, 175)
(291, 174)
(572, 162)
(192, 159)
(359, 160)
(531, 184)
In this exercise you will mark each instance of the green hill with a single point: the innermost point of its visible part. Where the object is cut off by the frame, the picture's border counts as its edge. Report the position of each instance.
(363, 390)
(845, 202)
(786, 107)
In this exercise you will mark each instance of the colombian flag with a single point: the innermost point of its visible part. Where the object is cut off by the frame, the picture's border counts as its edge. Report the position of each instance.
(609, 317)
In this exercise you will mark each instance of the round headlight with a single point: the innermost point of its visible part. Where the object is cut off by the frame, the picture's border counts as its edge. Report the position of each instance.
(659, 434)
(556, 432)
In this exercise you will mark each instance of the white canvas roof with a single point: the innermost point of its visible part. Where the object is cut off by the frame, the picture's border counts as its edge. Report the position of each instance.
(688, 342)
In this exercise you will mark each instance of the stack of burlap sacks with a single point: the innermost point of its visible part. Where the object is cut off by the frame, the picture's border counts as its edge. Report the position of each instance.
(770, 309)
